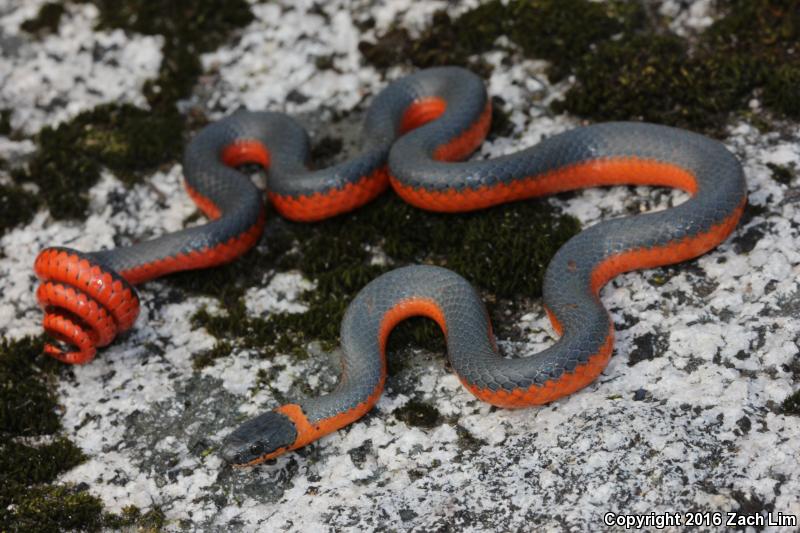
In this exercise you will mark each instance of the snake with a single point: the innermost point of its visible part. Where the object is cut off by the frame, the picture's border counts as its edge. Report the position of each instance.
(417, 133)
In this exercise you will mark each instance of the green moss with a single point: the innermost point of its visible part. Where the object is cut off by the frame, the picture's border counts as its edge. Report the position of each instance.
(418, 414)
(623, 79)
(190, 28)
(781, 173)
(627, 66)
(17, 206)
(757, 24)
(483, 246)
(23, 464)
(152, 520)
(563, 31)
(132, 517)
(28, 408)
(27, 401)
(791, 405)
(5, 122)
(558, 30)
(445, 42)
(47, 20)
(55, 508)
(128, 140)
(780, 90)
(220, 349)
(658, 77)
(29, 501)
(203, 26)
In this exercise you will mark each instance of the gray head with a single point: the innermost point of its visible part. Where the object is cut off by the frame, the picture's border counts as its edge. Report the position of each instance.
(258, 437)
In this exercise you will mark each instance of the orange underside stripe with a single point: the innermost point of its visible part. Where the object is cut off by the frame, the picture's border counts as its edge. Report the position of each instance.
(421, 112)
(319, 206)
(246, 152)
(466, 143)
(568, 383)
(85, 306)
(208, 207)
(595, 173)
(674, 252)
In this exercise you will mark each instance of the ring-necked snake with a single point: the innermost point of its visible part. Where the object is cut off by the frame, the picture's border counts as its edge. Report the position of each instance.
(89, 296)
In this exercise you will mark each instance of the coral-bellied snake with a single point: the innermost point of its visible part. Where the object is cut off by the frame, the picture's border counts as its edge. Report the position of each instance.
(89, 297)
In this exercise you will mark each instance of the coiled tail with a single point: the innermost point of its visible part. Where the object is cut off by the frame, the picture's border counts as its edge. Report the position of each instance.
(86, 304)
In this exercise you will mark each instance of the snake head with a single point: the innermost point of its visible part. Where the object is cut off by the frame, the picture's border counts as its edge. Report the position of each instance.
(263, 437)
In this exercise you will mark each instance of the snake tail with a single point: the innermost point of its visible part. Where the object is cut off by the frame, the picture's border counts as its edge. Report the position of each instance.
(85, 303)
(89, 297)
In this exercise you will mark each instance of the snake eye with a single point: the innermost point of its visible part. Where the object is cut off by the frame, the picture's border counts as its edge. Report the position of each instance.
(257, 449)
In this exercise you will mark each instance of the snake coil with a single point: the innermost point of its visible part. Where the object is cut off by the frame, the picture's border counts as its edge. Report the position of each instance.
(85, 303)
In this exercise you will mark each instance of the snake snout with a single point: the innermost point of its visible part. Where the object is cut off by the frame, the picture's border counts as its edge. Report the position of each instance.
(86, 305)
(260, 438)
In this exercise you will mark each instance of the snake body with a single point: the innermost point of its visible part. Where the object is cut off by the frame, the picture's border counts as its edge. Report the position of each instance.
(415, 128)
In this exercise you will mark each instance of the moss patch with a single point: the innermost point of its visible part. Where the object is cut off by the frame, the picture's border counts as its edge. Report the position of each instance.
(780, 89)
(131, 141)
(29, 501)
(750, 51)
(418, 414)
(38, 464)
(132, 517)
(654, 78)
(791, 405)
(46, 21)
(781, 173)
(56, 508)
(627, 66)
(190, 28)
(5, 122)
(17, 206)
(484, 247)
(28, 403)
(127, 140)
(220, 349)
(560, 31)
(29, 409)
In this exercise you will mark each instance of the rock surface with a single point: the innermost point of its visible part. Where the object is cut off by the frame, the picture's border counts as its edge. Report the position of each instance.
(686, 417)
